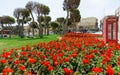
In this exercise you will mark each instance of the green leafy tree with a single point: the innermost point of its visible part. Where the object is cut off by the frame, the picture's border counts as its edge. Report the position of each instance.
(21, 14)
(54, 26)
(61, 21)
(69, 5)
(30, 6)
(45, 11)
(16, 14)
(47, 21)
(7, 21)
(39, 11)
(24, 15)
(75, 18)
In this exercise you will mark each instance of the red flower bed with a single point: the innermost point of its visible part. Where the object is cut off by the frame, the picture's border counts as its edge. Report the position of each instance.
(73, 54)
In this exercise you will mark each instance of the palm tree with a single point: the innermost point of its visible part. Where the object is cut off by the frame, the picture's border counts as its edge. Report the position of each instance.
(54, 26)
(30, 6)
(16, 14)
(69, 5)
(7, 20)
(32, 25)
(61, 21)
(21, 14)
(47, 21)
(75, 17)
(2, 26)
(45, 11)
(24, 15)
(38, 10)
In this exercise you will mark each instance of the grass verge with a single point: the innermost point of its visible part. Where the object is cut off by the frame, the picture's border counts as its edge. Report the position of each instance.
(16, 42)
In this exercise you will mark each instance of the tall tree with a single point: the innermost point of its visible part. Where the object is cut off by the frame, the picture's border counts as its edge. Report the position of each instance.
(47, 21)
(16, 14)
(69, 5)
(61, 21)
(7, 20)
(45, 11)
(21, 15)
(24, 15)
(75, 18)
(54, 26)
(30, 6)
(38, 10)
(2, 26)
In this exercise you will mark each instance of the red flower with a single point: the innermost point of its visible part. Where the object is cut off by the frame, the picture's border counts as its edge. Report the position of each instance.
(85, 61)
(109, 70)
(21, 68)
(66, 59)
(22, 61)
(43, 56)
(46, 63)
(118, 58)
(3, 74)
(30, 73)
(118, 63)
(23, 48)
(54, 58)
(50, 68)
(7, 70)
(61, 54)
(66, 71)
(16, 61)
(3, 61)
(74, 54)
(23, 53)
(71, 71)
(118, 73)
(89, 56)
(38, 53)
(28, 47)
(6, 55)
(96, 69)
(31, 60)
(56, 63)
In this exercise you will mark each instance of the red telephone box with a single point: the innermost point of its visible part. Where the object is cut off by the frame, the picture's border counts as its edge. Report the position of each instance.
(110, 29)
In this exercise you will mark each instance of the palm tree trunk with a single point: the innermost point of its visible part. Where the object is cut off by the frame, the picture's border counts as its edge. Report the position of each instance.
(29, 29)
(2, 31)
(40, 28)
(18, 29)
(65, 27)
(33, 20)
(11, 29)
(33, 32)
(32, 16)
(22, 31)
(47, 30)
(40, 32)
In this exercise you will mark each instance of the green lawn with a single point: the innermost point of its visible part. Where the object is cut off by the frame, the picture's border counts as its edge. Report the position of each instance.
(16, 42)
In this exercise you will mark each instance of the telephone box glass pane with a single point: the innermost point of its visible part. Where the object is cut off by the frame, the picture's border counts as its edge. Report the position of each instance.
(109, 31)
(114, 31)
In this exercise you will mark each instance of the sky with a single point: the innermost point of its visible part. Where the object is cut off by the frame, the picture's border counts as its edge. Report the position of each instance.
(88, 8)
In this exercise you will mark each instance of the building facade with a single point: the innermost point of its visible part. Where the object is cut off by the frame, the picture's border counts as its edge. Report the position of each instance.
(117, 13)
(89, 23)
